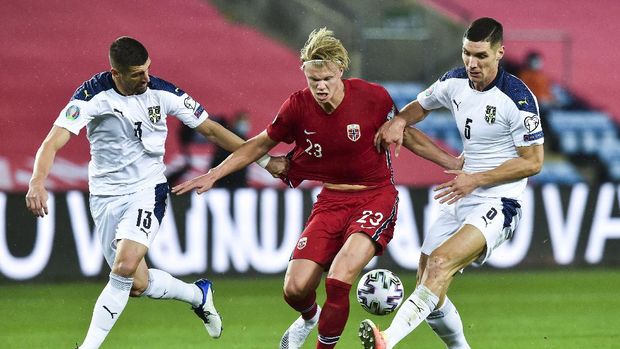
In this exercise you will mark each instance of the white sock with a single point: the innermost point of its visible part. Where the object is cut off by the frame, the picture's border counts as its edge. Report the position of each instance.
(108, 308)
(164, 286)
(415, 309)
(446, 322)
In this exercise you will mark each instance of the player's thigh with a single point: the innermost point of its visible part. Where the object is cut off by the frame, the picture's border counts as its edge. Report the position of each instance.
(421, 267)
(129, 255)
(352, 258)
(457, 252)
(302, 277)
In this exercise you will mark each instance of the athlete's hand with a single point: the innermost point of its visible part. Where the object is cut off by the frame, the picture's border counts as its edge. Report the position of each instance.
(201, 183)
(391, 132)
(278, 166)
(451, 191)
(36, 199)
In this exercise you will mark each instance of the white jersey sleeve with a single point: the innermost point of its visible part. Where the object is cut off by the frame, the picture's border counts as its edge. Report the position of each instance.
(435, 97)
(526, 128)
(179, 104)
(76, 115)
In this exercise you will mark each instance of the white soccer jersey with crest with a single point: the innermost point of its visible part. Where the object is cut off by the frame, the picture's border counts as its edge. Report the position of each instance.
(127, 134)
(492, 123)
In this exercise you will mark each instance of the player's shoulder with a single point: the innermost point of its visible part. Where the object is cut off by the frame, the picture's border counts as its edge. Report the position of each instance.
(517, 91)
(159, 84)
(366, 87)
(296, 101)
(363, 84)
(456, 73)
(299, 98)
(99, 83)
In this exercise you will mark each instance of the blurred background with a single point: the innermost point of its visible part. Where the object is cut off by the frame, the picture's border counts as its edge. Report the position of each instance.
(239, 59)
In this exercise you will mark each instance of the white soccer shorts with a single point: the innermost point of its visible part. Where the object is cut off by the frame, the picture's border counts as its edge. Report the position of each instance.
(496, 218)
(135, 216)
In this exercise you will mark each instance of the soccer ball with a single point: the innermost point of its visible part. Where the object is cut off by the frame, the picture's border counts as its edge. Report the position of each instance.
(380, 291)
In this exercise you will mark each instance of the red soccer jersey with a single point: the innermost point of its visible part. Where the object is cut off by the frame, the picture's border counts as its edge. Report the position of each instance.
(336, 148)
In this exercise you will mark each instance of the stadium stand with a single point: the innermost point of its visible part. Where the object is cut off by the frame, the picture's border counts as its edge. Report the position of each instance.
(224, 65)
(582, 132)
(229, 62)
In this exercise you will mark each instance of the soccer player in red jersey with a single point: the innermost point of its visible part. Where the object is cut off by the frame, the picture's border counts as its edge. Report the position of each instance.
(332, 123)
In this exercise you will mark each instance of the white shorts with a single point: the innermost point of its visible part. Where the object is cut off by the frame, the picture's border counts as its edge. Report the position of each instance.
(496, 218)
(135, 217)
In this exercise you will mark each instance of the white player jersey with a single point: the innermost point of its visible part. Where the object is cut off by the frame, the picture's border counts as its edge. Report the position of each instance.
(127, 134)
(492, 123)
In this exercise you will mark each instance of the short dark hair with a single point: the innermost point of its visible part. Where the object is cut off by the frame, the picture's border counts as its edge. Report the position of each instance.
(485, 29)
(127, 52)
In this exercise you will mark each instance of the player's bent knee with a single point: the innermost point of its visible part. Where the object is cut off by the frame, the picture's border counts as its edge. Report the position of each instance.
(125, 269)
(439, 266)
(295, 291)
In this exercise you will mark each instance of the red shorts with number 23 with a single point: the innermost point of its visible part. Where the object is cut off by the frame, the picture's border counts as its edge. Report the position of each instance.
(338, 214)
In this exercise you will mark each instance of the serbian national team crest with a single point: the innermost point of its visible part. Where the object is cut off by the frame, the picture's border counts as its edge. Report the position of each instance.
(155, 114)
(302, 243)
(353, 132)
(489, 115)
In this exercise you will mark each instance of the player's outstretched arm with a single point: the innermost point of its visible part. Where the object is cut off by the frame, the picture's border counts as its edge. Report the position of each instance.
(422, 145)
(249, 152)
(391, 132)
(36, 198)
(219, 135)
(226, 139)
(528, 163)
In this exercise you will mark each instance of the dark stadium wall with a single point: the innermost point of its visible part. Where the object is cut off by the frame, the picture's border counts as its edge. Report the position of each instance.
(250, 231)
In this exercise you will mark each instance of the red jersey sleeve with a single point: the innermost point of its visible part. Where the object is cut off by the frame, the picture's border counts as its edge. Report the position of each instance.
(281, 129)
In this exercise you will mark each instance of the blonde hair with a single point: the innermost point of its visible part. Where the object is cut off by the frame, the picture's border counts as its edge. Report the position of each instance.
(323, 47)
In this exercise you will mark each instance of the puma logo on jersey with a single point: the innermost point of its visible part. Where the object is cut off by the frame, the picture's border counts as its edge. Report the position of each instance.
(118, 111)
(309, 132)
(522, 102)
(457, 104)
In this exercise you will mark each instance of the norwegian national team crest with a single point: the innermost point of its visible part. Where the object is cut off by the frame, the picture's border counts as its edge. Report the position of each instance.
(489, 115)
(302, 243)
(155, 114)
(353, 132)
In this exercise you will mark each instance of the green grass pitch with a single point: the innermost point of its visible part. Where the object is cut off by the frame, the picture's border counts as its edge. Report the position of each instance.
(507, 310)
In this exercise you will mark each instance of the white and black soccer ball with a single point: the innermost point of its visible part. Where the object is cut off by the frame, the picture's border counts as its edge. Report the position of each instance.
(380, 291)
